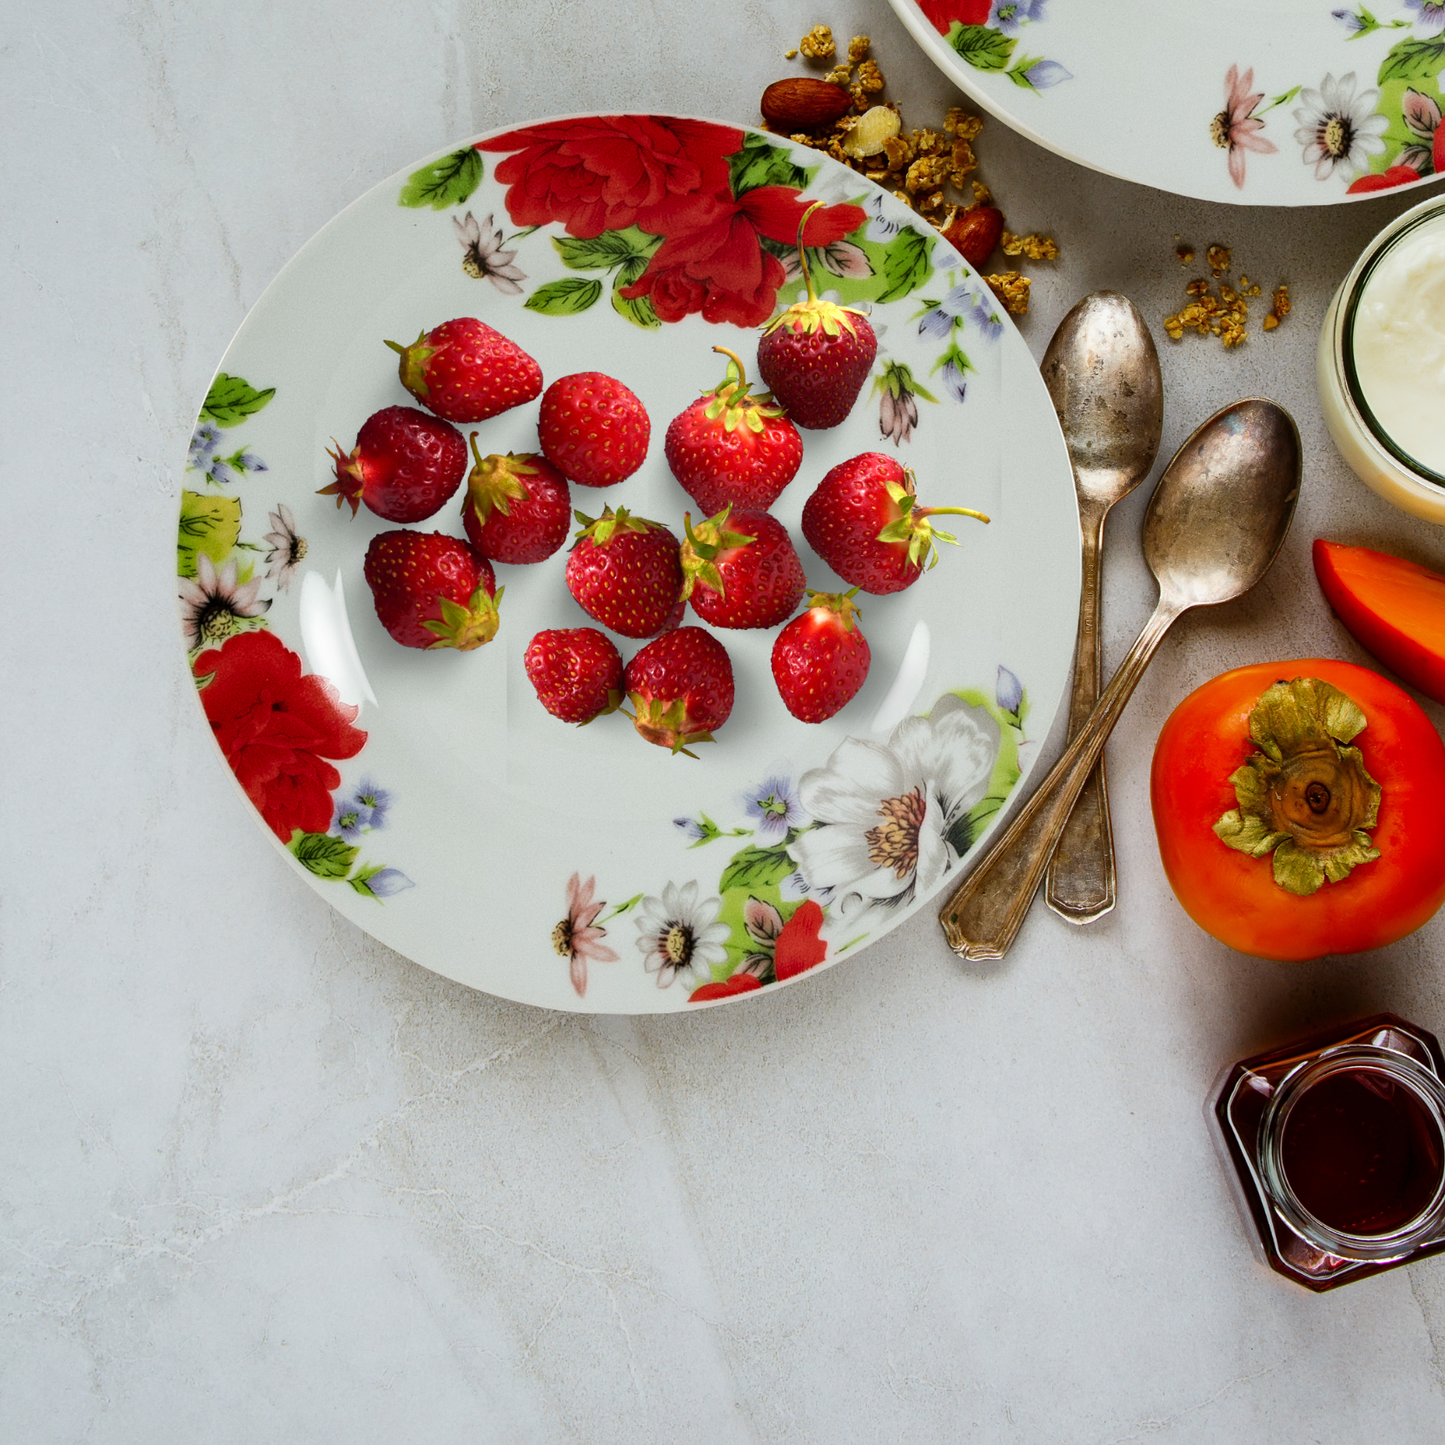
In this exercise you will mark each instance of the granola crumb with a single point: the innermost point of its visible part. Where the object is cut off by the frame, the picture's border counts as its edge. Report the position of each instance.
(1012, 289)
(1035, 247)
(1185, 252)
(817, 44)
(1218, 259)
(839, 75)
(790, 55)
(1279, 307)
(858, 48)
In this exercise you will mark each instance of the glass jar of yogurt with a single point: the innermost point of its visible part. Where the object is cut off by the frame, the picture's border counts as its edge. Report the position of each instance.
(1381, 363)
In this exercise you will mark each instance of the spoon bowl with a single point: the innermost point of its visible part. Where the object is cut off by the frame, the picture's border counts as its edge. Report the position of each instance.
(1220, 513)
(1102, 373)
(1215, 523)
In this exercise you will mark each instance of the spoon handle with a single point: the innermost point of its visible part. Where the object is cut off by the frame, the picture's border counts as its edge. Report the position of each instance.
(1081, 875)
(985, 913)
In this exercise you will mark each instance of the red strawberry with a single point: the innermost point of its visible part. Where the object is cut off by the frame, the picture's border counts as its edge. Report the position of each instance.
(625, 572)
(741, 572)
(821, 658)
(404, 466)
(732, 449)
(593, 429)
(432, 590)
(466, 371)
(577, 673)
(864, 522)
(816, 356)
(517, 508)
(681, 688)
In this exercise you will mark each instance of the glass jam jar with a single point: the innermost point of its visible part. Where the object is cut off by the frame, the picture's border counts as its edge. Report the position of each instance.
(1336, 1147)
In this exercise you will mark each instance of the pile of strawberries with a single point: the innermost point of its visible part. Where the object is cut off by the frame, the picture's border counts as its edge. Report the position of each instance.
(732, 451)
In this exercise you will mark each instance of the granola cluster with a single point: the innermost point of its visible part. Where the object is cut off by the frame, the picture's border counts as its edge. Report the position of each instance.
(927, 169)
(1223, 312)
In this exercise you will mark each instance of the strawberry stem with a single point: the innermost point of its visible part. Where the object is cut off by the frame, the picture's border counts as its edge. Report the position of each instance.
(802, 252)
(949, 511)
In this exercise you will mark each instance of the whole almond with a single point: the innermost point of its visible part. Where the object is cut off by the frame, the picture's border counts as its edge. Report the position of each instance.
(803, 103)
(975, 234)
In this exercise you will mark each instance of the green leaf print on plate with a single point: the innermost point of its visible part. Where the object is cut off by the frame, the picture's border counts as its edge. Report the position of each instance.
(232, 399)
(209, 524)
(447, 182)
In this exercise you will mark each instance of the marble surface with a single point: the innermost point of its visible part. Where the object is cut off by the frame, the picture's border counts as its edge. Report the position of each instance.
(264, 1179)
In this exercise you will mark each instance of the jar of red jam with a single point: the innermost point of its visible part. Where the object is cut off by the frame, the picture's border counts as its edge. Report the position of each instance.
(1336, 1145)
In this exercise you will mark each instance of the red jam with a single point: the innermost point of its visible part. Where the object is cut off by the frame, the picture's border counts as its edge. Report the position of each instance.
(1362, 1153)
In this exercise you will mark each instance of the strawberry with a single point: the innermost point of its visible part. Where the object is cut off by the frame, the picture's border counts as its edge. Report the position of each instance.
(593, 429)
(576, 671)
(405, 465)
(625, 572)
(466, 371)
(432, 590)
(864, 522)
(681, 688)
(732, 449)
(741, 572)
(815, 357)
(517, 508)
(820, 659)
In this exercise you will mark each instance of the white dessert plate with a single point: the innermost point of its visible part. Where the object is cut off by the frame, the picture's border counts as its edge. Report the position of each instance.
(426, 794)
(1295, 103)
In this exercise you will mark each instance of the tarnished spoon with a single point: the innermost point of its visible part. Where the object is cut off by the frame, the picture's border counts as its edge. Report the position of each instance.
(1102, 372)
(1216, 521)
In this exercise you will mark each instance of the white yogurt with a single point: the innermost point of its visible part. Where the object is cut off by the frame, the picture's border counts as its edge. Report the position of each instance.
(1381, 363)
(1399, 343)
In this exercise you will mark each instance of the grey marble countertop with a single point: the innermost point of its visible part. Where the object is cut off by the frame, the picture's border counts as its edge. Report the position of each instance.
(265, 1180)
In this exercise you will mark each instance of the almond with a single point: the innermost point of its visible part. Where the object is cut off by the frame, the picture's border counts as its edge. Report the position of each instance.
(802, 103)
(975, 234)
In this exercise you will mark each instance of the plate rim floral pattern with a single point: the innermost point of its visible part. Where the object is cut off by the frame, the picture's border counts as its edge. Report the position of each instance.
(1355, 109)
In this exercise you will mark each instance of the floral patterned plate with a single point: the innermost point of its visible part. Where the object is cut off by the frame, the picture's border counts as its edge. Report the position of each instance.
(427, 795)
(1301, 103)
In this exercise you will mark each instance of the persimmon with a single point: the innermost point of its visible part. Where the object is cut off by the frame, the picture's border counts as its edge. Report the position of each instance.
(1300, 809)
(1394, 608)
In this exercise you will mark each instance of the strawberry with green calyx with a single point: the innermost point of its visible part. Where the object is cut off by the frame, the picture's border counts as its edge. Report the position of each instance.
(816, 356)
(821, 658)
(517, 508)
(681, 689)
(625, 571)
(576, 671)
(405, 465)
(733, 447)
(431, 590)
(741, 572)
(465, 370)
(864, 521)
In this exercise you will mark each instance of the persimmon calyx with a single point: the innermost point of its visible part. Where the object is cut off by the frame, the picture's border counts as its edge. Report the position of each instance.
(1305, 797)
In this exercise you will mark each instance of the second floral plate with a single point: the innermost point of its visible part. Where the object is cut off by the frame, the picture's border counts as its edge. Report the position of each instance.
(1296, 103)
(427, 795)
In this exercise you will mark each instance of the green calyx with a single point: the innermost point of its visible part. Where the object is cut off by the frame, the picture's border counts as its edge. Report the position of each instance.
(700, 547)
(732, 405)
(413, 366)
(602, 529)
(467, 627)
(348, 483)
(912, 526)
(839, 603)
(495, 481)
(1305, 799)
(665, 723)
(812, 315)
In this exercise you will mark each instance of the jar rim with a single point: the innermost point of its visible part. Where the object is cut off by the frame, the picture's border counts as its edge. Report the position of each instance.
(1426, 1227)
(1383, 244)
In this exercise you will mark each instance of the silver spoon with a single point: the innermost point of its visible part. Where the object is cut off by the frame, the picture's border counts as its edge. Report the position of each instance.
(1102, 372)
(1216, 521)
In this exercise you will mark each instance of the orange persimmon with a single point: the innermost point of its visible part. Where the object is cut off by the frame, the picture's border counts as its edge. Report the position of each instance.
(1339, 792)
(1394, 608)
